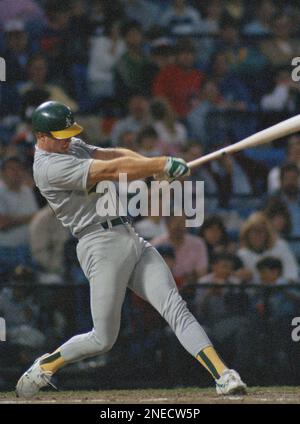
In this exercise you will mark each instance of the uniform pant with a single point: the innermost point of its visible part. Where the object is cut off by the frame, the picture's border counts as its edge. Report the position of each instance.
(113, 260)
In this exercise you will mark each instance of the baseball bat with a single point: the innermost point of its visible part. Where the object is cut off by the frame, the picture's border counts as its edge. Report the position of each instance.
(282, 129)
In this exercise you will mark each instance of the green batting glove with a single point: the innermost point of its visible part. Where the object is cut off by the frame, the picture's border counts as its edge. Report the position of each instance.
(176, 167)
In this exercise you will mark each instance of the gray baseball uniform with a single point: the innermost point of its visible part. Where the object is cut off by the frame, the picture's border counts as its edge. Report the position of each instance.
(112, 259)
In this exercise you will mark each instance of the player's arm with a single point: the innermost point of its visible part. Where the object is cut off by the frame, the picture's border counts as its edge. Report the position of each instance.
(135, 168)
(114, 153)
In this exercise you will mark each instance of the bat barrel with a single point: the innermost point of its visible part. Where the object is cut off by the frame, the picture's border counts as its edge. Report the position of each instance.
(282, 129)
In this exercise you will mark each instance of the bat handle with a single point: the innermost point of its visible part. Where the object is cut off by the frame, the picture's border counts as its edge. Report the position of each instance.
(207, 158)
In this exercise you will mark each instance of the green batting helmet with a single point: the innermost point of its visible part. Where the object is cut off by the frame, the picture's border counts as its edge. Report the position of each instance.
(55, 118)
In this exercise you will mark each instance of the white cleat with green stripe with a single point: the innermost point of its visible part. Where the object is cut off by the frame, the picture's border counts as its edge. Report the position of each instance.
(230, 383)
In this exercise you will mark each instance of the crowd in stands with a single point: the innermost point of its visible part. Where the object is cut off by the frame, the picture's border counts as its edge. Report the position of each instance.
(176, 77)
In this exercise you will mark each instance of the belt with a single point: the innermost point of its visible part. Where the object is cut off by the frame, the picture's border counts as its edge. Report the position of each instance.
(114, 222)
(105, 225)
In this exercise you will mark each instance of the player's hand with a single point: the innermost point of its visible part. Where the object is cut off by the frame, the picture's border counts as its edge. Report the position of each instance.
(176, 168)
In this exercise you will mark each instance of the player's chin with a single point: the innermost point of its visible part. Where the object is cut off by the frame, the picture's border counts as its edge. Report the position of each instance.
(64, 148)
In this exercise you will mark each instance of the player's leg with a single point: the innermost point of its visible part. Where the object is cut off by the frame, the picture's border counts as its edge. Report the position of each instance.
(108, 263)
(152, 280)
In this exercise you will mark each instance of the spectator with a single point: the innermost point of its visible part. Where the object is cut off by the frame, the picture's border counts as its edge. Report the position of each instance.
(293, 156)
(282, 303)
(180, 83)
(280, 49)
(47, 240)
(289, 194)
(279, 217)
(231, 179)
(274, 311)
(214, 234)
(181, 19)
(210, 302)
(171, 132)
(10, 102)
(80, 31)
(27, 10)
(23, 142)
(237, 101)
(102, 11)
(202, 173)
(261, 25)
(127, 140)
(211, 17)
(232, 88)
(244, 59)
(131, 67)
(148, 143)
(55, 40)
(38, 80)
(105, 51)
(258, 240)
(235, 10)
(285, 96)
(17, 208)
(270, 271)
(137, 118)
(162, 54)
(190, 251)
(204, 121)
(17, 51)
(145, 12)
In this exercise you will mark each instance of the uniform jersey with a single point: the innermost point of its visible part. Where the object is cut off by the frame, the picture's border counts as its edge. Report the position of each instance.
(62, 180)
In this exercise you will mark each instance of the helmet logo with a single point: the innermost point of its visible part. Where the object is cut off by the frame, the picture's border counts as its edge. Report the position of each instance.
(69, 121)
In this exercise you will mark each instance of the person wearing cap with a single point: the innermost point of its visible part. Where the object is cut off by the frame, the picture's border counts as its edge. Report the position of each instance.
(69, 174)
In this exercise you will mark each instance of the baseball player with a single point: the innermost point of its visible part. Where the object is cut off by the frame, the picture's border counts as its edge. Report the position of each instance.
(112, 256)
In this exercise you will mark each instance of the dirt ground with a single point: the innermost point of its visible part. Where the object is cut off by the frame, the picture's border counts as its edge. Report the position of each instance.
(256, 395)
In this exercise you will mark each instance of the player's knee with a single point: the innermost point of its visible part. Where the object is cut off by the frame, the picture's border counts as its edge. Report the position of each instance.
(103, 343)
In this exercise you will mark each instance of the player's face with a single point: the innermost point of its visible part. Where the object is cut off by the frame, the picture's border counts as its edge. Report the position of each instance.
(53, 145)
(62, 146)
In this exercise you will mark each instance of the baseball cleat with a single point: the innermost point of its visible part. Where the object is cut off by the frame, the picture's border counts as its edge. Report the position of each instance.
(230, 383)
(33, 380)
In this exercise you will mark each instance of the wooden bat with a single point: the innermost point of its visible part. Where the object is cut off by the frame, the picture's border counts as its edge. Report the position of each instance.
(284, 128)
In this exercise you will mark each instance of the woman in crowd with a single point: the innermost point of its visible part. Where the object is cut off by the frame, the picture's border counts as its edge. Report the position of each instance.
(258, 240)
(172, 133)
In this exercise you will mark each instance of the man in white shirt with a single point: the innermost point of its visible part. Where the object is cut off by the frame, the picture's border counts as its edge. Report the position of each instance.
(17, 207)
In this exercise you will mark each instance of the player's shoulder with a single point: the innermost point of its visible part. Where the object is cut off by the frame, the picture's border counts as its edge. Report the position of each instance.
(77, 145)
(42, 160)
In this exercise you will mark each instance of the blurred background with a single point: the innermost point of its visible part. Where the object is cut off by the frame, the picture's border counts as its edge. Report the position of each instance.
(163, 78)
